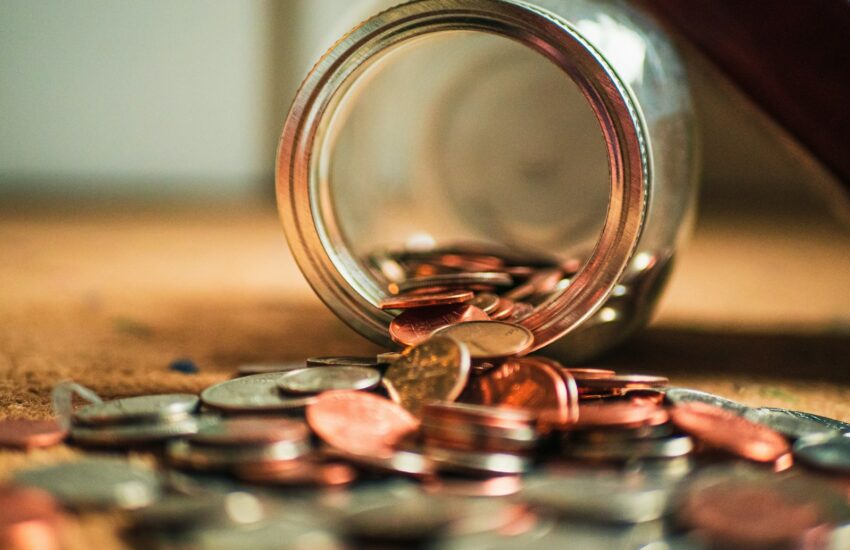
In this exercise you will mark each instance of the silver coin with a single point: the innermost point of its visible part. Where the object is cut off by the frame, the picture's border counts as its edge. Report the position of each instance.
(100, 483)
(315, 380)
(823, 420)
(490, 339)
(787, 422)
(679, 396)
(209, 458)
(135, 434)
(265, 368)
(637, 449)
(249, 431)
(599, 496)
(343, 361)
(402, 462)
(255, 393)
(827, 451)
(180, 511)
(455, 280)
(451, 460)
(137, 409)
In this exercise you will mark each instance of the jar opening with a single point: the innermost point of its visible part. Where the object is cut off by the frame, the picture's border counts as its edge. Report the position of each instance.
(439, 123)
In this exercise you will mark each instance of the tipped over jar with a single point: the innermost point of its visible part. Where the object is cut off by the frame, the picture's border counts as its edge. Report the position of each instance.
(547, 145)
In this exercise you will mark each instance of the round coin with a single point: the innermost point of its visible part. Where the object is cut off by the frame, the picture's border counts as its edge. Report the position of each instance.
(217, 458)
(255, 393)
(621, 382)
(298, 473)
(317, 380)
(485, 301)
(30, 434)
(414, 326)
(343, 361)
(826, 451)
(787, 422)
(436, 370)
(409, 301)
(251, 431)
(465, 461)
(490, 339)
(453, 280)
(620, 415)
(726, 430)
(636, 449)
(530, 385)
(137, 409)
(134, 434)
(680, 396)
(104, 483)
(586, 373)
(360, 423)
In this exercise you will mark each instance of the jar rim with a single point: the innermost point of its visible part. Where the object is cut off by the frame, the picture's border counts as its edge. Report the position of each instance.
(301, 172)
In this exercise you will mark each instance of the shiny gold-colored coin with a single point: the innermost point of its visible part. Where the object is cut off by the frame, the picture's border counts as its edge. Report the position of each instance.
(436, 370)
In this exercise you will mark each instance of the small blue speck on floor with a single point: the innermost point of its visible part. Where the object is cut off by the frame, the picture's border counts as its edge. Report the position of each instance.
(186, 366)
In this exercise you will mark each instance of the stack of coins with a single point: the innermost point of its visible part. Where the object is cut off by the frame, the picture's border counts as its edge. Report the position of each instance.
(138, 420)
(243, 445)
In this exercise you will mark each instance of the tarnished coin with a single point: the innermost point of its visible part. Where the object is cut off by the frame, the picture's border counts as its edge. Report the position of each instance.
(95, 483)
(823, 420)
(456, 460)
(787, 422)
(490, 339)
(251, 431)
(30, 434)
(29, 520)
(436, 370)
(530, 385)
(826, 451)
(141, 408)
(255, 393)
(453, 280)
(414, 326)
(343, 361)
(680, 396)
(635, 449)
(135, 434)
(265, 368)
(726, 430)
(408, 301)
(182, 453)
(317, 380)
(360, 423)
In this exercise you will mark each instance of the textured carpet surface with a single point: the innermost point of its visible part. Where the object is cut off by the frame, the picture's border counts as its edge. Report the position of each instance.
(110, 296)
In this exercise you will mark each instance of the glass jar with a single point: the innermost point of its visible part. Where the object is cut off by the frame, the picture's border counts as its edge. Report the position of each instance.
(549, 127)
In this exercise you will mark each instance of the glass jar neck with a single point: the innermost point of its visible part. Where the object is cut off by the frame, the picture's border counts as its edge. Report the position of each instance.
(302, 175)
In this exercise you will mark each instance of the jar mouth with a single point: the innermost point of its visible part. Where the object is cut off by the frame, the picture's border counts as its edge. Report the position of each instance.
(302, 175)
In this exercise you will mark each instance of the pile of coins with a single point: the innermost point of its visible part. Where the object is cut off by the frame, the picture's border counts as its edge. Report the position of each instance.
(460, 441)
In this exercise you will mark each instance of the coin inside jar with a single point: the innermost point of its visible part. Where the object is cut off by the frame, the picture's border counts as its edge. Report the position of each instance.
(316, 380)
(414, 326)
(408, 301)
(490, 339)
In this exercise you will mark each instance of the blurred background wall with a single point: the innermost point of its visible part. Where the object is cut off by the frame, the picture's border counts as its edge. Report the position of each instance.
(160, 98)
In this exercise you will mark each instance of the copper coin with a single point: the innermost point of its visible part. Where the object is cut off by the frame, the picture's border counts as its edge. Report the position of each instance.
(298, 473)
(250, 431)
(486, 302)
(569, 382)
(621, 382)
(470, 262)
(521, 311)
(620, 414)
(29, 519)
(409, 301)
(360, 423)
(726, 430)
(30, 434)
(586, 374)
(735, 514)
(436, 370)
(503, 310)
(526, 385)
(490, 339)
(414, 326)
(501, 417)
(453, 280)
